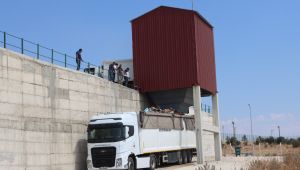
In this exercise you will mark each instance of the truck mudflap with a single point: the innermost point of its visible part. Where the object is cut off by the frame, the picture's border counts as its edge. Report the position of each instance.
(143, 162)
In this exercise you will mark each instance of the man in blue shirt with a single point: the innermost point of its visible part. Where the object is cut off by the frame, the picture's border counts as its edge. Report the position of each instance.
(78, 58)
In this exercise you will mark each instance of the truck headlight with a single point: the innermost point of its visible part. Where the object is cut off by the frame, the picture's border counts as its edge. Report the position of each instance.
(119, 162)
(89, 164)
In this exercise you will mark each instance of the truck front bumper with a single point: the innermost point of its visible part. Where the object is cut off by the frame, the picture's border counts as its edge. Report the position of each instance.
(120, 163)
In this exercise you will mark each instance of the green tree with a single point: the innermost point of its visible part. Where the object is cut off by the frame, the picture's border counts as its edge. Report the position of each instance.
(296, 143)
(244, 138)
(234, 141)
(280, 140)
(259, 139)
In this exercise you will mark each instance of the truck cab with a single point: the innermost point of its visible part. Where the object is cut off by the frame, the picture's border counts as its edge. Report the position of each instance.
(112, 140)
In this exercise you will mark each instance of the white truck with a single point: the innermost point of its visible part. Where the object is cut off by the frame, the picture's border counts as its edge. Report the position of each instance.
(133, 140)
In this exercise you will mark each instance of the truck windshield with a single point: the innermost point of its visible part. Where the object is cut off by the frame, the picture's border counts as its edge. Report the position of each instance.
(106, 133)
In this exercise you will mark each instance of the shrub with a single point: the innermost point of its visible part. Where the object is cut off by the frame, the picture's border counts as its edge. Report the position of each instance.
(296, 143)
(270, 140)
(259, 139)
(258, 165)
(227, 140)
(244, 138)
(280, 140)
(265, 165)
(290, 162)
(233, 141)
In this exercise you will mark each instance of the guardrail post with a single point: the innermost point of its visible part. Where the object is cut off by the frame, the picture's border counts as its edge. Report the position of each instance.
(65, 60)
(22, 46)
(52, 55)
(37, 51)
(4, 39)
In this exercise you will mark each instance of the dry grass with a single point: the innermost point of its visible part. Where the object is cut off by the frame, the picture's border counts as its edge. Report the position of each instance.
(263, 150)
(290, 162)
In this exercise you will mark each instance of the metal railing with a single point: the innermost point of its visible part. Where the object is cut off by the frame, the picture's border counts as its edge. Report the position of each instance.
(40, 52)
(206, 108)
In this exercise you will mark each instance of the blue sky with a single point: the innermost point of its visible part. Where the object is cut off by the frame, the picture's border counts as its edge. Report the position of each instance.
(257, 47)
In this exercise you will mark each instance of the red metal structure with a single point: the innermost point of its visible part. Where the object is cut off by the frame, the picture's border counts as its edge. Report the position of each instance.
(172, 49)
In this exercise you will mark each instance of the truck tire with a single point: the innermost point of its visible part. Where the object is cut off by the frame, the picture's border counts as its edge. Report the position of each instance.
(152, 162)
(184, 156)
(131, 163)
(179, 157)
(189, 156)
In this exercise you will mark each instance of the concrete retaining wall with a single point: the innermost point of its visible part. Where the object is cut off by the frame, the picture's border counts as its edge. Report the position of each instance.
(44, 111)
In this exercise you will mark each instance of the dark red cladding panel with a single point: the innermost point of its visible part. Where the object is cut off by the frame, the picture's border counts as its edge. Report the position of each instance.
(205, 54)
(165, 50)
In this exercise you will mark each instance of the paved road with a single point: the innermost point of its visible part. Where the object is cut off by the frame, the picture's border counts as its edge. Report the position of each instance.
(189, 166)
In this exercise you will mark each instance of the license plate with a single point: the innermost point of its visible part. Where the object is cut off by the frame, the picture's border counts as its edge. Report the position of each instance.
(103, 168)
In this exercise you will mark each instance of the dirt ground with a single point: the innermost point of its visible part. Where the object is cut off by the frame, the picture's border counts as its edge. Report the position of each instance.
(230, 162)
(227, 163)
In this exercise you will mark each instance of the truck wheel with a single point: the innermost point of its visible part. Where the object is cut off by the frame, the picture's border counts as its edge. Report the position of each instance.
(152, 162)
(179, 157)
(131, 164)
(189, 156)
(184, 157)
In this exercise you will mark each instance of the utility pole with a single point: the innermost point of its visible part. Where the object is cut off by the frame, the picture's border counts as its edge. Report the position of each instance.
(233, 129)
(272, 130)
(278, 130)
(251, 127)
(193, 5)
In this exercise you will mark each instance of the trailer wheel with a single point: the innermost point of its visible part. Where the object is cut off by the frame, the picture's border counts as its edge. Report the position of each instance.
(184, 157)
(179, 157)
(131, 164)
(189, 156)
(152, 162)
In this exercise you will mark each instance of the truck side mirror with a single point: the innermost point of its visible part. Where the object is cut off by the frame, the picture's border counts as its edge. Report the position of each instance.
(131, 131)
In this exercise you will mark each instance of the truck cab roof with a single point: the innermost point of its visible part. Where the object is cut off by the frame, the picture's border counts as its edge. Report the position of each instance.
(124, 117)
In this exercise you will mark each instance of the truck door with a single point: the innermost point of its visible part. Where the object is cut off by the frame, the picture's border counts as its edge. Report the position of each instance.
(130, 138)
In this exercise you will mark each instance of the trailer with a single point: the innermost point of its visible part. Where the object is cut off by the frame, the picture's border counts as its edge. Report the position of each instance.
(133, 140)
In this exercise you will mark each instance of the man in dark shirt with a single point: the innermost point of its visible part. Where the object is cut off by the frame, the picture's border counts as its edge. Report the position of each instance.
(111, 72)
(78, 58)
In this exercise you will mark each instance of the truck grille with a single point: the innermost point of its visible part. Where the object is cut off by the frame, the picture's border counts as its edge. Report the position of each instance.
(103, 157)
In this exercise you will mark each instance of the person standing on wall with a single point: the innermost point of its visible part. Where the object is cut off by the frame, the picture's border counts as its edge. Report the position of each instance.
(115, 71)
(126, 77)
(78, 58)
(101, 71)
(120, 74)
(111, 72)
